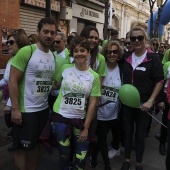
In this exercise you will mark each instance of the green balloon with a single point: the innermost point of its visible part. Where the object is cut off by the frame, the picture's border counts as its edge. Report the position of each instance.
(129, 95)
(1, 94)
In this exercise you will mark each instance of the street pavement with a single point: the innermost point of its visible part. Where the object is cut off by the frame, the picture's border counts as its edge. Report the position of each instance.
(152, 160)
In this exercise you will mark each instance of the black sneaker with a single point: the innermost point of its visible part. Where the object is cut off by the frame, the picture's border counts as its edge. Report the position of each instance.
(93, 164)
(108, 167)
(139, 167)
(162, 149)
(11, 149)
(125, 166)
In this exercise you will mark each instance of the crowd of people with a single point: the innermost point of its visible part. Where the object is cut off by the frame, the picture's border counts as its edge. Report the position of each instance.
(71, 86)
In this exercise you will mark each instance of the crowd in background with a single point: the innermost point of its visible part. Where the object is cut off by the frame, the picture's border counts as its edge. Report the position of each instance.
(78, 78)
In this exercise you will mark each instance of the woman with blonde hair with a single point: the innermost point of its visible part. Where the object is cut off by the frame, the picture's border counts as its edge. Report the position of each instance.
(141, 68)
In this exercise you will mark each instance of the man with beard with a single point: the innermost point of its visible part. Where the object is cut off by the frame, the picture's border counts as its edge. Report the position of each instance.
(31, 74)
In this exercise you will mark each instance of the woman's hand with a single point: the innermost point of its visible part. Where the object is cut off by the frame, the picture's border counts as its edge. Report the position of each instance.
(161, 106)
(146, 106)
(83, 135)
(7, 109)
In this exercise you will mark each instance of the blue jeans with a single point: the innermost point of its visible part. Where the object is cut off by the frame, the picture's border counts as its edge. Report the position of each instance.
(68, 145)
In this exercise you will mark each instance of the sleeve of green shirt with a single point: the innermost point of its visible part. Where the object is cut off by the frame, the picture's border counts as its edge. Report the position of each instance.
(59, 63)
(22, 57)
(102, 66)
(166, 57)
(96, 90)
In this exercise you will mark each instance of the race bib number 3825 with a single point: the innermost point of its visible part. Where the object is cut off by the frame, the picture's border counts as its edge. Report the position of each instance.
(73, 101)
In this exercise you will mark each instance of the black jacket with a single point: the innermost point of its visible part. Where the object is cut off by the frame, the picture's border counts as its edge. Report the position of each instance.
(145, 76)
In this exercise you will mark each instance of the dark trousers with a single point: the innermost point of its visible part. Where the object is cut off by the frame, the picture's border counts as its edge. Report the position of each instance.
(163, 134)
(103, 128)
(141, 119)
(168, 149)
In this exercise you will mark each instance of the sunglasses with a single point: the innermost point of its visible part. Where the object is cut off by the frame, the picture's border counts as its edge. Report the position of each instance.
(113, 51)
(11, 42)
(57, 42)
(163, 47)
(155, 44)
(127, 43)
(139, 38)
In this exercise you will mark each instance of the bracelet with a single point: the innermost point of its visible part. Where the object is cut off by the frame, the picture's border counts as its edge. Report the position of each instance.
(151, 101)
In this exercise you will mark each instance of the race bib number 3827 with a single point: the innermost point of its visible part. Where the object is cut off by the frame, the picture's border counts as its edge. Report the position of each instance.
(73, 101)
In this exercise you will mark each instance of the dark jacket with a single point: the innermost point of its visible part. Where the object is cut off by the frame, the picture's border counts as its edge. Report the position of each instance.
(145, 76)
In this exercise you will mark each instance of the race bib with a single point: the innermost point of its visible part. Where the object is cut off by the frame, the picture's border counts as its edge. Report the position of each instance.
(42, 87)
(73, 101)
(109, 93)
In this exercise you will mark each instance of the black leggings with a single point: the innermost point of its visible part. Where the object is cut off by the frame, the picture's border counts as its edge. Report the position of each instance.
(141, 119)
(168, 149)
(103, 128)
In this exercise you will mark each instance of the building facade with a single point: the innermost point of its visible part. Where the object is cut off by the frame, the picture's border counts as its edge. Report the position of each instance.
(127, 11)
(87, 13)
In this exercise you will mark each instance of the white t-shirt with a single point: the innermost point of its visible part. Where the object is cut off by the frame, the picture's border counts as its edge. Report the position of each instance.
(110, 87)
(36, 82)
(76, 87)
(137, 60)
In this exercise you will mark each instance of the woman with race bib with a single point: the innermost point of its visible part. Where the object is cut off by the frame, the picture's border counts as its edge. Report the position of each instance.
(107, 112)
(70, 121)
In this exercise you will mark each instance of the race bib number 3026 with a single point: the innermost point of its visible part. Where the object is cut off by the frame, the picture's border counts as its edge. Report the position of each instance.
(42, 87)
(109, 93)
(73, 101)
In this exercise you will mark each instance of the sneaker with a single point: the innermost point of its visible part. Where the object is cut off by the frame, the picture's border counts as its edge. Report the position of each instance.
(157, 136)
(125, 166)
(162, 149)
(93, 164)
(122, 149)
(139, 167)
(108, 168)
(112, 153)
(147, 135)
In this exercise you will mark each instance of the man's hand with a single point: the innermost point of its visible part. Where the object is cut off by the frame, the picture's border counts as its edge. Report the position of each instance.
(16, 116)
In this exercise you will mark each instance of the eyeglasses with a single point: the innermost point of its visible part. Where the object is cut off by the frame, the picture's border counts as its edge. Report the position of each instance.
(57, 42)
(139, 38)
(155, 44)
(11, 42)
(127, 43)
(113, 51)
